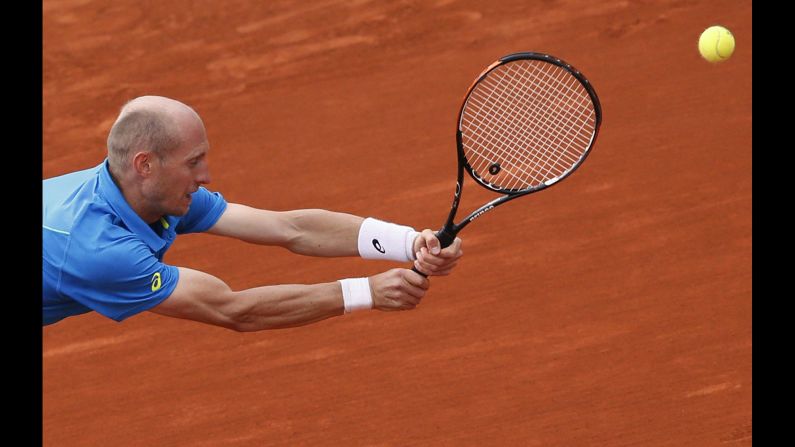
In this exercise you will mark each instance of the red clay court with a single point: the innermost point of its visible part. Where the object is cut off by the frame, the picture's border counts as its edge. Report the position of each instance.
(611, 310)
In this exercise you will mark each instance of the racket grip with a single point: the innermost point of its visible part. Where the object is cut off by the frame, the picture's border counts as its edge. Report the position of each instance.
(446, 239)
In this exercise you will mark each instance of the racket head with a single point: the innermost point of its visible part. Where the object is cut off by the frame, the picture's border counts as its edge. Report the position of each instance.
(528, 121)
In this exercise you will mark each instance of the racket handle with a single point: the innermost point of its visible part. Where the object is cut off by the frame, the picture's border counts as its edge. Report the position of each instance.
(446, 239)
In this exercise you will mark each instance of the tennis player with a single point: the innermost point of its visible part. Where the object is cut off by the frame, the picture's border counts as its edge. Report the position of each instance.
(106, 230)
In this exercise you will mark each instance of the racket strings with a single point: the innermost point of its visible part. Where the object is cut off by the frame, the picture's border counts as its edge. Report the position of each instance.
(554, 133)
(499, 133)
(512, 136)
(523, 126)
(577, 104)
(539, 166)
(526, 123)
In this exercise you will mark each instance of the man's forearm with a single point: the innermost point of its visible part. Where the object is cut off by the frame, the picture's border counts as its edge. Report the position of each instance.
(318, 232)
(289, 305)
(323, 233)
(205, 298)
(312, 232)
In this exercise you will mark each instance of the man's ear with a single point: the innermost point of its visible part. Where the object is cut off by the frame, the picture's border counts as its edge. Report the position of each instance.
(142, 163)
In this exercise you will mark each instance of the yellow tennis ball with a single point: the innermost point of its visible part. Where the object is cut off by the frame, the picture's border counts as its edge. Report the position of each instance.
(716, 44)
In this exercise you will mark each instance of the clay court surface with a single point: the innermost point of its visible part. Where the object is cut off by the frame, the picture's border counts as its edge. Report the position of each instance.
(611, 310)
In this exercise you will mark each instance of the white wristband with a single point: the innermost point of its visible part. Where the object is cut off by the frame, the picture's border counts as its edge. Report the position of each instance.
(356, 294)
(384, 240)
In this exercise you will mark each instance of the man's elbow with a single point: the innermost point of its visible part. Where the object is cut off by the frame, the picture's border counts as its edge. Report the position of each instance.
(239, 319)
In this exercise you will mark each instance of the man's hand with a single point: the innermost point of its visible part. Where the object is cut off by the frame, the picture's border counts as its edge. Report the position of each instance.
(433, 261)
(397, 289)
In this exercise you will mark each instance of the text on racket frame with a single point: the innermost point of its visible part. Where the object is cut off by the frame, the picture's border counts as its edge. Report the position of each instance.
(480, 213)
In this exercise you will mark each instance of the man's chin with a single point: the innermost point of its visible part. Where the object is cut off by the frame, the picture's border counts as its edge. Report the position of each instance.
(184, 207)
(179, 212)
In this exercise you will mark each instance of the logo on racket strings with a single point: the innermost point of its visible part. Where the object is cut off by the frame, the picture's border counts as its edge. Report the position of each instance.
(378, 246)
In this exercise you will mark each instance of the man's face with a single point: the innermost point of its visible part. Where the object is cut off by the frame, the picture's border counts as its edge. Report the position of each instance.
(180, 173)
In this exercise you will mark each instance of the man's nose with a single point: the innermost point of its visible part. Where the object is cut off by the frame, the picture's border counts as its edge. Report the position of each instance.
(204, 177)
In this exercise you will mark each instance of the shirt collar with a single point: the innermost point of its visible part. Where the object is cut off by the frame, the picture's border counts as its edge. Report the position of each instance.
(119, 204)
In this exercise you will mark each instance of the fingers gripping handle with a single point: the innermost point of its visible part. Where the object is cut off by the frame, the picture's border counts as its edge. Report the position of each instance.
(417, 271)
(446, 238)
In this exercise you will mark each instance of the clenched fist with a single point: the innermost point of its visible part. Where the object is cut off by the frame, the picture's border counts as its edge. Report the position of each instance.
(397, 289)
(431, 259)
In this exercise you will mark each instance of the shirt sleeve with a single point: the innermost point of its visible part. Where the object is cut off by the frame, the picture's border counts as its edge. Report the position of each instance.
(205, 209)
(117, 280)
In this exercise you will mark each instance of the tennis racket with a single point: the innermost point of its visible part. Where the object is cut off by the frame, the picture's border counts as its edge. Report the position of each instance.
(527, 122)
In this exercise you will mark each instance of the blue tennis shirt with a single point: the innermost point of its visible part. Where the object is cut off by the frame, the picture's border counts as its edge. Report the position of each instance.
(99, 255)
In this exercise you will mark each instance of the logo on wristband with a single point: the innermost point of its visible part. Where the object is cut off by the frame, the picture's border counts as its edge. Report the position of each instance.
(378, 246)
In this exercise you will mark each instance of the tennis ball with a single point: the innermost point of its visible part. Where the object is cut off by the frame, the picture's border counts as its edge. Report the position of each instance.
(716, 44)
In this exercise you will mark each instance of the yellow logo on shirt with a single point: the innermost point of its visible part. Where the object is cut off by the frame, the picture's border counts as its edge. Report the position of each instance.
(156, 283)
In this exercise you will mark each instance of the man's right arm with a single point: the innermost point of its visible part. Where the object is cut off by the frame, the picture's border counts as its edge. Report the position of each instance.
(317, 232)
(311, 232)
(204, 298)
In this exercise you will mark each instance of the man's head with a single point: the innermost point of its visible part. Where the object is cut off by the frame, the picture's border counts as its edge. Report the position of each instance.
(157, 151)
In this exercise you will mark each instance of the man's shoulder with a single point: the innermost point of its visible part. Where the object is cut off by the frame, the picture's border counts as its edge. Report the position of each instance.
(67, 199)
(70, 180)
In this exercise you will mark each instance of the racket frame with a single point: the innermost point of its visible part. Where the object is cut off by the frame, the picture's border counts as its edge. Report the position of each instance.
(450, 229)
